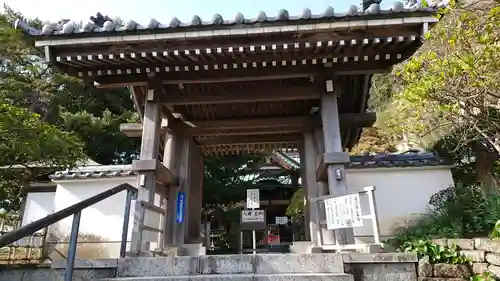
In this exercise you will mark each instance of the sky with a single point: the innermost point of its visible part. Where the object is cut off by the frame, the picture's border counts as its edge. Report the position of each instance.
(142, 11)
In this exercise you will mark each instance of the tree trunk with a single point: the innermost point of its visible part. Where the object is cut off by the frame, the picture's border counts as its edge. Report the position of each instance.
(485, 163)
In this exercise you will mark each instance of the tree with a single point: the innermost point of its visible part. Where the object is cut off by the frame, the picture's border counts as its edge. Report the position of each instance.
(226, 179)
(374, 140)
(378, 139)
(28, 142)
(452, 85)
(46, 114)
(94, 115)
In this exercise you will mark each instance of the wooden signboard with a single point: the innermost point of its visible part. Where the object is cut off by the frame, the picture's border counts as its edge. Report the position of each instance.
(253, 219)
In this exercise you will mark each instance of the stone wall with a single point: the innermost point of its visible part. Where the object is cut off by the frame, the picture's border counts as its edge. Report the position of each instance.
(483, 253)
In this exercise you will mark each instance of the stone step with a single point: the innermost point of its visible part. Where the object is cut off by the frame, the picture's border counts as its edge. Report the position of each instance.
(244, 277)
(231, 264)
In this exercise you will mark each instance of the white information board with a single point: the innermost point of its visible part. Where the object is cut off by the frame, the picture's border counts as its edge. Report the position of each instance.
(343, 212)
(253, 216)
(281, 220)
(253, 199)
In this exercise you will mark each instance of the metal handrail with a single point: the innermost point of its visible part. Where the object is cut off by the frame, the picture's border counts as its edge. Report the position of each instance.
(76, 211)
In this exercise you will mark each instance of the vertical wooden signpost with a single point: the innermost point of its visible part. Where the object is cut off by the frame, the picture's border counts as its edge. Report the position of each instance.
(253, 202)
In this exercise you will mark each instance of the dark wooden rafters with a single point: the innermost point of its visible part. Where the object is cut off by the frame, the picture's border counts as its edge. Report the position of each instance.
(209, 83)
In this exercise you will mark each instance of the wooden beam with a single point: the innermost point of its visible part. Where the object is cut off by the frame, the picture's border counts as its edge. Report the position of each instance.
(163, 175)
(246, 74)
(258, 126)
(267, 122)
(205, 76)
(134, 130)
(327, 159)
(276, 130)
(242, 96)
(255, 139)
(273, 122)
(366, 119)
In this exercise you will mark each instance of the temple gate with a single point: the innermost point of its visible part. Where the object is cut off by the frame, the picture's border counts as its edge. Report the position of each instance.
(228, 86)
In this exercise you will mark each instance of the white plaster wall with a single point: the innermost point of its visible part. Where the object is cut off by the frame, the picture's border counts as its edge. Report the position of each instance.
(104, 219)
(401, 194)
(38, 205)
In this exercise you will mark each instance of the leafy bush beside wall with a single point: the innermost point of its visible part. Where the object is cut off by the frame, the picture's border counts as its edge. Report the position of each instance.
(435, 253)
(456, 212)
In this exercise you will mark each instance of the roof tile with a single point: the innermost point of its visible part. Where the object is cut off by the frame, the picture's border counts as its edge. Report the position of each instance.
(105, 24)
(87, 172)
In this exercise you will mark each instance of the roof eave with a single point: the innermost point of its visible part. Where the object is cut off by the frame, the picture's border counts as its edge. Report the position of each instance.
(240, 30)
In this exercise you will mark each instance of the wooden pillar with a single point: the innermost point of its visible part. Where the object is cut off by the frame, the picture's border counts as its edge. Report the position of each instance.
(307, 164)
(149, 150)
(333, 147)
(184, 183)
(322, 187)
(195, 195)
(170, 156)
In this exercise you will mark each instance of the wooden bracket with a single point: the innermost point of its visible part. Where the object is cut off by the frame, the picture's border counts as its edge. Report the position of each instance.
(332, 158)
(163, 175)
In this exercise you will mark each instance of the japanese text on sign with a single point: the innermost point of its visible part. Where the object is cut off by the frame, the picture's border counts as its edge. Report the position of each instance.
(343, 212)
(253, 199)
(253, 216)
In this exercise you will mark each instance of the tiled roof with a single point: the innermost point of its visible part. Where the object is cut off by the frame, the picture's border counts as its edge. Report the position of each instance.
(86, 172)
(289, 161)
(409, 159)
(103, 24)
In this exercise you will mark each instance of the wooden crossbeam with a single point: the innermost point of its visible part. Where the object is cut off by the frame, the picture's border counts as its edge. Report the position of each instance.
(241, 96)
(163, 175)
(273, 122)
(134, 130)
(244, 74)
(276, 130)
(255, 139)
(259, 126)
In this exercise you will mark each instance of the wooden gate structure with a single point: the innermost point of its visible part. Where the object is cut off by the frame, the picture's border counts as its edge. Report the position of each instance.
(227, 86)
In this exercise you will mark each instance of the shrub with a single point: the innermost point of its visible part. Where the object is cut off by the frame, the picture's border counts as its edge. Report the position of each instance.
(485, 276)
(89, 246)
(436, 253)
(457, 212)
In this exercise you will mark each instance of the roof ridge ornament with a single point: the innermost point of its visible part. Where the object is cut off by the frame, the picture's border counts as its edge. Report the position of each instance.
(99, 19)
(368, 3)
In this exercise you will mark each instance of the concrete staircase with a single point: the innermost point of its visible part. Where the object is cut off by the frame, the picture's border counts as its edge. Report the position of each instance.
(271, 267)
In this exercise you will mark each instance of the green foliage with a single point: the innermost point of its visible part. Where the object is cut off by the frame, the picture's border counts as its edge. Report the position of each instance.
(227, 178)
(457, 212)
(462, 157)
(49, 119)
(104, 143)
(26, 142)
(451, 85)
(436, 253)
(485, 276)
(296, 207)
(25, 139)
(495, 232)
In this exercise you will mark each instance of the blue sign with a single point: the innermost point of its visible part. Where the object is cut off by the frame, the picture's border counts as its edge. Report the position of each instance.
(181, 202)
